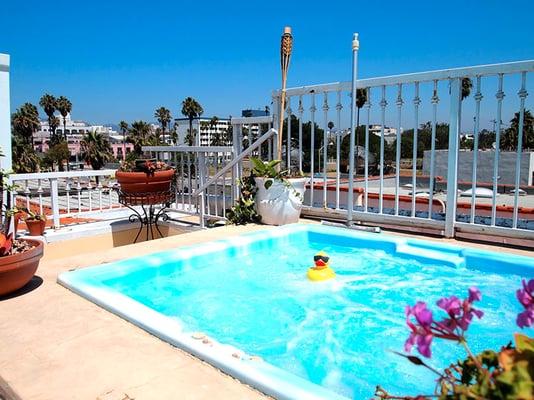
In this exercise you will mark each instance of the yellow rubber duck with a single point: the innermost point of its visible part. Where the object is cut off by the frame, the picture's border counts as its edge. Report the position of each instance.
(321, 271)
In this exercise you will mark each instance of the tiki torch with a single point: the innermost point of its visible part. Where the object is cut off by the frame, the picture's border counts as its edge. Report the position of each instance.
(286, 45)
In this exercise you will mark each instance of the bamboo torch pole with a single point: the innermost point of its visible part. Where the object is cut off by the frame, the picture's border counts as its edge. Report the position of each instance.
(286, 46)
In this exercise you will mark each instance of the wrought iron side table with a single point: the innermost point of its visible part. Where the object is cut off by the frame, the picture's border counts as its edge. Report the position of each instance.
(153, 209)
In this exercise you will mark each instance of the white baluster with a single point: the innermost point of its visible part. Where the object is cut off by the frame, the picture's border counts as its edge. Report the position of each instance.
(312, 147)
(27, 194)
(434, 100)
(478, 98)
(300, 111)
(366, 154)
(67, 192)
(399, 103)
(79, 192)
(339, 136)
(500, 96)
(325, 146)
(383, 105)
(416, 103)
(40, 194)
(522, 96)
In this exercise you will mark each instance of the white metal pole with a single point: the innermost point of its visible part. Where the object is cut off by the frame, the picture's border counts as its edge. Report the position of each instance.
(350, 196)
(452, 168)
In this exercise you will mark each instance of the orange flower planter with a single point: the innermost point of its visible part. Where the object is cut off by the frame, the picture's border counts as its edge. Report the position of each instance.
(143, 184)
(18, 269)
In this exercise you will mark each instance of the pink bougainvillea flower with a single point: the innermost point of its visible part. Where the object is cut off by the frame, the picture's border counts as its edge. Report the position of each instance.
(526, 318)
(525, 296)
(474, 294)
(421, 333)
(451, 305)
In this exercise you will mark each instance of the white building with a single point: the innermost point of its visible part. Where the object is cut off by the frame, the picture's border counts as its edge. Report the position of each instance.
(75, 130)
(390, 134)
(203, 126)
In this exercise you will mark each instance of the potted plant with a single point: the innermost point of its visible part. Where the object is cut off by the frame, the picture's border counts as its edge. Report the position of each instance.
(145, 181)
(279, 198)
(35, 222)
(19, 258)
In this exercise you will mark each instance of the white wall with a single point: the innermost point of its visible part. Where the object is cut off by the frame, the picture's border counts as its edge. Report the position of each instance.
(5, 113)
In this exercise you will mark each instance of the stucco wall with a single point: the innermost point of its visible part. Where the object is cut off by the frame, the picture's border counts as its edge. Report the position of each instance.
(484, 166)
(5, 125)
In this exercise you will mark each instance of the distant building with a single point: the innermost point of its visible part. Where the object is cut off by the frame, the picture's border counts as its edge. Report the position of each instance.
(202, 126)
(75, 130)
(255, 113)
(390, 134)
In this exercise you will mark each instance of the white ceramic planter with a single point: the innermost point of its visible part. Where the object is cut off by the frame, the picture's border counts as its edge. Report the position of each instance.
(280, 204)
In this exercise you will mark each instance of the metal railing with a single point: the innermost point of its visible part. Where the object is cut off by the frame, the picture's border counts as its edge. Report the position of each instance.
(207, 176)
(374, 187)
(64, 194)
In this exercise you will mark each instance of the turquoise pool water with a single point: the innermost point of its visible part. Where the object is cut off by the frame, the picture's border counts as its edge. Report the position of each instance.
(338, 334)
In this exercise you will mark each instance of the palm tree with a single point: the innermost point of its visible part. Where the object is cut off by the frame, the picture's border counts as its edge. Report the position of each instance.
(49, 105)
(191, 109)
(96, 150)
(467, 85)
(26, 122)
(163, 115)
(64, 106)
(140, 135)
(123, 126)
(509, 140)
(361, 99)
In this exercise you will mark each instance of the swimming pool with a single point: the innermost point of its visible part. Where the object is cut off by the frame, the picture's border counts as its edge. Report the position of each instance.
(263, 322)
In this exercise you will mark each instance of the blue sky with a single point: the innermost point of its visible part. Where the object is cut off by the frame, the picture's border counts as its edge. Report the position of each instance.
(122, 59)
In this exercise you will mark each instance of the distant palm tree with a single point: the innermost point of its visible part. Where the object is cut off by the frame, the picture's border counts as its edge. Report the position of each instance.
(467, 85)
(54, 124)
(49, 105)
(64, 106)
(361, 99)
(96, 150)
(140, 135)
(163, 115)
(123, 126)
(26, 122)
(191, 109)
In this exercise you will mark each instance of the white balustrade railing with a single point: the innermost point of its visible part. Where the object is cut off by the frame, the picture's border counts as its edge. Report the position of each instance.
(64, 194)
(376, 187)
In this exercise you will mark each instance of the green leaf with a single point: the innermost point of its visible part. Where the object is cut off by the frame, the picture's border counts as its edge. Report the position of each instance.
(523, 342)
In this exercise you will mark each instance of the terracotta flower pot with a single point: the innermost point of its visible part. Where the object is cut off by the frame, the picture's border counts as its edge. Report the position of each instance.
(36, 227)
(18, 269)
(16, 219)
(133, 183)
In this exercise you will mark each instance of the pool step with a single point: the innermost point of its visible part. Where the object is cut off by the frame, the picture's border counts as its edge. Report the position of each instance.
(426, 253)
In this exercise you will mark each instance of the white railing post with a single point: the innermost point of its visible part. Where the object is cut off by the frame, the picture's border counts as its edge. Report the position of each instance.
(202, 176)
(54, 199)
(276, 123)
(236, 144)
(350, 194)
(452, 166)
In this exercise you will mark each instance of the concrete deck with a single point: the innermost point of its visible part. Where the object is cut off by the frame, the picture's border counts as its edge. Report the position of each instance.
(57, 345)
